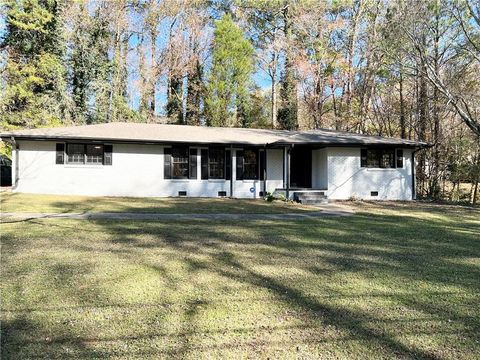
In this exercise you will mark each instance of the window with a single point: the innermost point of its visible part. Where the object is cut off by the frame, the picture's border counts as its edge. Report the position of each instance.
(91, 154)
(387, 158)
(180, 162)
(193, 164)
(94, 154)
(378, 158)
(216, 163)
(250, 164)
(75, 153)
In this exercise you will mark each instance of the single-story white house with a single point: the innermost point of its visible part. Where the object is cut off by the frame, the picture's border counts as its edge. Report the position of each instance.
(160, 160)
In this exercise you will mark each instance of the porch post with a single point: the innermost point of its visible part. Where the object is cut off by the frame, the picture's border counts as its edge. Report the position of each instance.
(265, 171)
(287, 167)
(15, 159)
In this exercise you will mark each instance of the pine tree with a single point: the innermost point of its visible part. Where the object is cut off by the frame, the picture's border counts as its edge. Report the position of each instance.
(288, 110)
(174, 102)
(34, 74)
(195, 92)
(88, 61)
(227, 89)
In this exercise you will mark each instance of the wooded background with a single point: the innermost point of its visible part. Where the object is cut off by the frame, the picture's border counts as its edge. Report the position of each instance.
(401, 68)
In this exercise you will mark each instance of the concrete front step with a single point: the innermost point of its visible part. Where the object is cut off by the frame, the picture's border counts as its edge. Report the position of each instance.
(310, 197)
(314, 201)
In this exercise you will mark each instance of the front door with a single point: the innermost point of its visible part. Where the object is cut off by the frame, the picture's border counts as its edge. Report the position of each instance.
(301, 167)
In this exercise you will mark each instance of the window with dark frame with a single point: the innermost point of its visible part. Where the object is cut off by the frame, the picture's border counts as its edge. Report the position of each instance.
(193, 163)
(250, 164)
(75, 154)
(94, 154)
(216, 163)
(180, 157)
(383, 158)
(90, 154)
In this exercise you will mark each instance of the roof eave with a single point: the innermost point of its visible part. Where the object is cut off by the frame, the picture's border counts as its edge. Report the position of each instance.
(10, 136)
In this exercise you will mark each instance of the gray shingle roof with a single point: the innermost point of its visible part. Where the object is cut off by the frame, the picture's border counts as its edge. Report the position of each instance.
(165, 133)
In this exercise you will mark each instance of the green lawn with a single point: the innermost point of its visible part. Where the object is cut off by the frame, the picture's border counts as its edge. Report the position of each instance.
(17, 202)
(391, 281)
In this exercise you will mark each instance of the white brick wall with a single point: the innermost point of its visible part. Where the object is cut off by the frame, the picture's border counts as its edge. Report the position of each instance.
(319, 169)
(347, 179)
(136, 170)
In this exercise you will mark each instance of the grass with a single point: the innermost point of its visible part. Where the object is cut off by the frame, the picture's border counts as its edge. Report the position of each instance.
(391, 281)
(17, 202)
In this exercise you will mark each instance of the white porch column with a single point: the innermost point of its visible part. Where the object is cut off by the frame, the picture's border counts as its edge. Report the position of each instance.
(15, 159)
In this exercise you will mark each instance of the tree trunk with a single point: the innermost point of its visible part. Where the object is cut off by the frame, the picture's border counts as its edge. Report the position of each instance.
(435, 190)
(422, 103)
(402, 106)
(153, 70)
(273, 78)
(352, 42)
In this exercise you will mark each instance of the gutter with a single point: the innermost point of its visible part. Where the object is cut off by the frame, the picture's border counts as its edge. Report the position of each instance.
(278, 144)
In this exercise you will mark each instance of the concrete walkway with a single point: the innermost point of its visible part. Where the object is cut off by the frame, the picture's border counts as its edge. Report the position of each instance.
(326, 211)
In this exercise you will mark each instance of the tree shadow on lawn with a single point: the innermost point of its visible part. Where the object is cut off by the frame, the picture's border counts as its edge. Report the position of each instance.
(401, 252)
(84, 204)
(372, 245)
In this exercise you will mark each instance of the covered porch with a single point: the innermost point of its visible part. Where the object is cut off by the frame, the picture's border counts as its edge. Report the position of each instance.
(305, 172)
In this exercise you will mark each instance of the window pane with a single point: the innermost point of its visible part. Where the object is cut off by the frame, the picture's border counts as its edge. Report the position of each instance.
(180, 162)
(180, 170)
(387, 159)
(250, 164)
(372, 158)
(75, 153)
(94, 154)
(216, 163)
